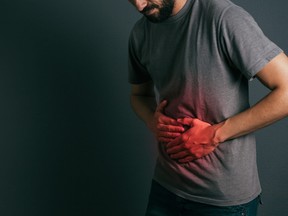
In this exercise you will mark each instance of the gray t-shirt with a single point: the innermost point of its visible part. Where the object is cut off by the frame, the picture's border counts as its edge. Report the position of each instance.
(200, 60)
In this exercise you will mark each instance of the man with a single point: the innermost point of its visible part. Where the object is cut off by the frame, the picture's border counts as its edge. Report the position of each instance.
(200, 55)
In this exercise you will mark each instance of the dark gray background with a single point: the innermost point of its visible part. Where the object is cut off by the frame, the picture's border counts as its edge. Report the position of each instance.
(69, 142)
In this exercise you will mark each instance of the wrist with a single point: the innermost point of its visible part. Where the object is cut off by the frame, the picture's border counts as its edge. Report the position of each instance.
(219, 136)
(150, 122)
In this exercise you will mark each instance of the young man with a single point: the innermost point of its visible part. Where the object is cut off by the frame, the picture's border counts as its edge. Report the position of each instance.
(200, 55)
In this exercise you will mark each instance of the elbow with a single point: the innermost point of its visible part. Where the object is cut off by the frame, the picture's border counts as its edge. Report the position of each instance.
(283, 100)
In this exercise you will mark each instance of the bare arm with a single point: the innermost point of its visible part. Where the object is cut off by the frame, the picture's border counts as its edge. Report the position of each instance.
(143, 101)
(270, 109)
(144, 104)
(202, 138)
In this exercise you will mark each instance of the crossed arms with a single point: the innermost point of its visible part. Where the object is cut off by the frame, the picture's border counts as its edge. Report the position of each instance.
(189, 138)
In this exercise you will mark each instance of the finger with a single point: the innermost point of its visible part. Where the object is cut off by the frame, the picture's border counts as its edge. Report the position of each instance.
(163, 119)
(199, 151)
(186, 121)
(187, 159)
(181, 140)
(168, 134)
(175, 142)
(161, 106)
(179, 155)
(170, 128)
(164, 140)
(174, 150)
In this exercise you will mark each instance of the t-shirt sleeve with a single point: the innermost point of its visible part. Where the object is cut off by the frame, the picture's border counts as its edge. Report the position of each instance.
(244, 43)
(137, 73)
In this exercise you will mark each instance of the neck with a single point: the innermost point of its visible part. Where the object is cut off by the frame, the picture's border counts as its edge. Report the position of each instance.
(179, 4)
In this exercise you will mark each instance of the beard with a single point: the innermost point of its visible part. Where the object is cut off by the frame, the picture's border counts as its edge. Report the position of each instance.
(164, 11)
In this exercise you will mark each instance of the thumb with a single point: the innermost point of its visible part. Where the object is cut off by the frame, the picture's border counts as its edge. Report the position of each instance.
(186, 121)
(161, 106)
(200, 122)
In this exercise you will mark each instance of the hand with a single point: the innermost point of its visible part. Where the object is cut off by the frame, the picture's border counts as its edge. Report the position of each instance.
(165, 128)
(196, 142)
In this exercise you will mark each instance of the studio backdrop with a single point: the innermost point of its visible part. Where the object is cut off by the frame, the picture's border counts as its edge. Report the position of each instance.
(69, 141)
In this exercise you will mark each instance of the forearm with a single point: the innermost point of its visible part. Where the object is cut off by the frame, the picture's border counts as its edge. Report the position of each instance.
(270, 109)
(143, 102)
(202, 138)
(144, 107)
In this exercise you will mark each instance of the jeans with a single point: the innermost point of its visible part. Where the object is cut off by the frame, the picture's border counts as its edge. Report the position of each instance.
(164, 203)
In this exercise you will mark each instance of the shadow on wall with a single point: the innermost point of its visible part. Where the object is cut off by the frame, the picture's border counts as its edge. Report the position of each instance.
(66, 141)
(70, 144)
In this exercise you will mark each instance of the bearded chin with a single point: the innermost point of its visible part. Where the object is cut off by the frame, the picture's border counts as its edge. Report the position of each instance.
(164, 12)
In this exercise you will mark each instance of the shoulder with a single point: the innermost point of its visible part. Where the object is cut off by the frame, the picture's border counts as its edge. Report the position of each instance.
(217, 9)
(235, 17)
(138, 32)
(139, 27)
(226, 15)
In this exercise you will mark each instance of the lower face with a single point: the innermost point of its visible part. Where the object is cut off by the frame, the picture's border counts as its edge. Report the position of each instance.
(158, 12)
